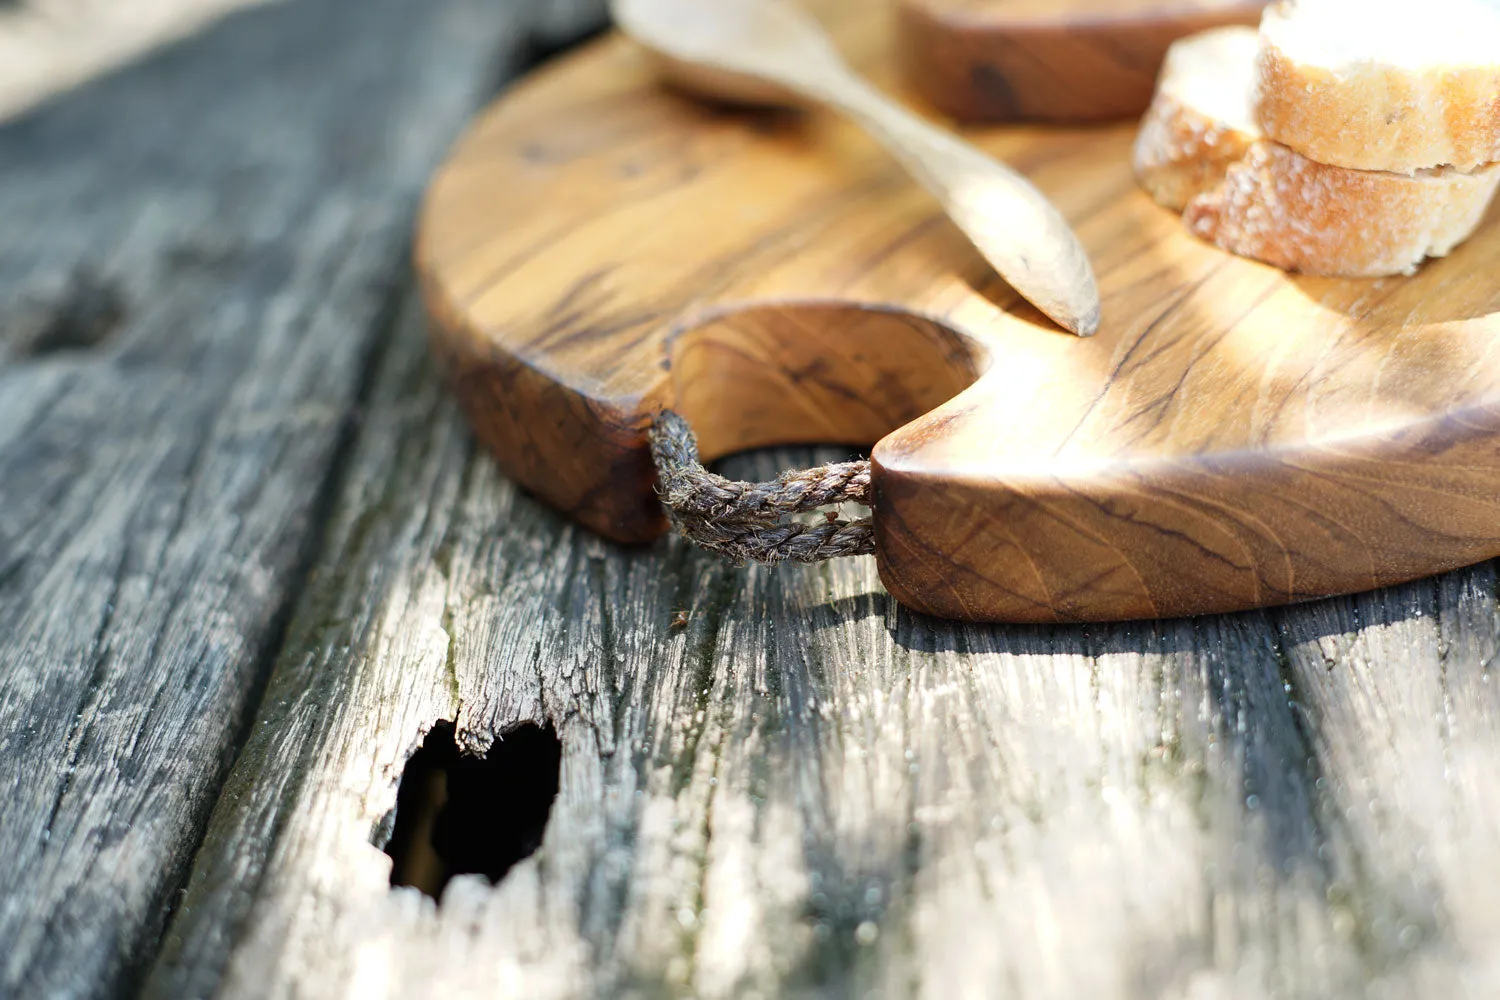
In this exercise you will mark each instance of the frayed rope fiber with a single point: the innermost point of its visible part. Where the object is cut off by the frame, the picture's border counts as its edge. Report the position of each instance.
(747, 522)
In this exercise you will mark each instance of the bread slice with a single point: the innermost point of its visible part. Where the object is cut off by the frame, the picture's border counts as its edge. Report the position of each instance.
(1383, 84)
(1278, 206)
(1200, 122)
(1199, 151)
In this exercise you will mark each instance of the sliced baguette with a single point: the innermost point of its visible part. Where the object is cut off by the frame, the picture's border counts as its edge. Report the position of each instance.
(1278, 206)
(1200, 152)
(1200, 122)
(1383, 84)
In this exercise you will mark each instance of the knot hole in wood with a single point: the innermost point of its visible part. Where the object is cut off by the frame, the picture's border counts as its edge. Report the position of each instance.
(74, 315)
(461, 814)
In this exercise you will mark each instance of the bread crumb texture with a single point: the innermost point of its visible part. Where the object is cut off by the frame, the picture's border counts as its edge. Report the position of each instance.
(1381, 84)
(1200, 122)
(1197, 152)
(1280, 207)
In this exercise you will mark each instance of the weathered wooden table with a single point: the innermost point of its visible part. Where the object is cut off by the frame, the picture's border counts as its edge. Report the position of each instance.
(250, 560)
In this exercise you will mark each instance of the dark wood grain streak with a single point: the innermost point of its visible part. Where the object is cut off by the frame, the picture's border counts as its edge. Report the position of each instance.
(808, 791)
(811, 791)
(1234, 437)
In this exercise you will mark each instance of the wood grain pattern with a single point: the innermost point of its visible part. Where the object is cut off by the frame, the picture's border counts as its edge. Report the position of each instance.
(807, 792)
(1234, 437)
(1048, 60)
(722, 50)
(198, 263)
(810, 792)
(47, 46)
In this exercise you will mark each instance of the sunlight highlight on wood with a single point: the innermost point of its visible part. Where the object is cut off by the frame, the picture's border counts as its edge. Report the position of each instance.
(1233, 437)
(759, 41)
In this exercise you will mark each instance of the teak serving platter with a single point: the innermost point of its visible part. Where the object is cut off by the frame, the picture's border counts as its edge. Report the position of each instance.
(598, 248)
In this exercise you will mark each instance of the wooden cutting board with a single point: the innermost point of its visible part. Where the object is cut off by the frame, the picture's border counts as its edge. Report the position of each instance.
(1049, 60)
(597, 248)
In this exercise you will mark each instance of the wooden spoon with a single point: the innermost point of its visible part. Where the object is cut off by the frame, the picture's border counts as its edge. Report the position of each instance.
(735, 48)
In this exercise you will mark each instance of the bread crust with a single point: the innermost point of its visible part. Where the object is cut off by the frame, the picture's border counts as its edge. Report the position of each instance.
(1261, 199)
(1378, 117)
(1280, 207)
(1180, 152)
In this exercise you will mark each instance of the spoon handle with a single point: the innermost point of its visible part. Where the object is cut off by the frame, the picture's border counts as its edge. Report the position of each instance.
(1012, 224)
(719, 46)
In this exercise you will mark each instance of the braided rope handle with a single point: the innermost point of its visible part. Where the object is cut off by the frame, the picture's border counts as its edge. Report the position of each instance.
(746, 522)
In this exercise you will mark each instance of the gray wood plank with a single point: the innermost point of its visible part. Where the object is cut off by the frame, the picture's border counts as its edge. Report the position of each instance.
(198, 264)
(49, 45)
(1396, 691)
(808, 791)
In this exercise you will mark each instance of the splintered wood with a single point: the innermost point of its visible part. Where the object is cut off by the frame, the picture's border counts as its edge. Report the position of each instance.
(806, 790)
(797, 789)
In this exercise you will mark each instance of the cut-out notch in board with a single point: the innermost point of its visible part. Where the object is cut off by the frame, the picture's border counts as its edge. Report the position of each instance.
(598, 248)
